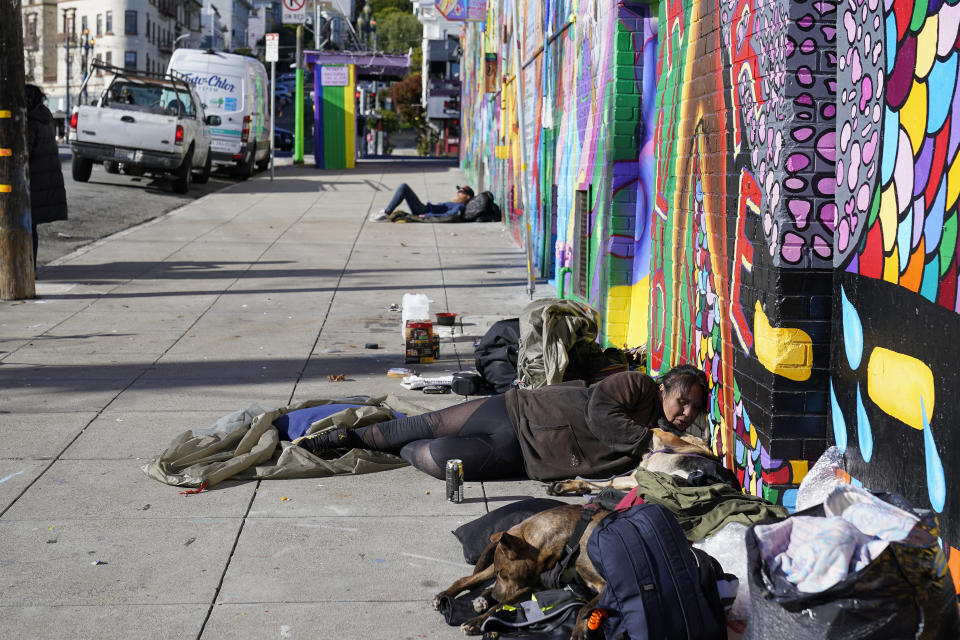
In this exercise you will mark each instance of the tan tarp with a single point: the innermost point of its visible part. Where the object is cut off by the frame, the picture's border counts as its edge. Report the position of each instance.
(246, 446)
(549, 329)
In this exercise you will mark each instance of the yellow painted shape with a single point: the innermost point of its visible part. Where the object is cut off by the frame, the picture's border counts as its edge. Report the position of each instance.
(888, 217)
(891, 265)
(953, 183)
(913, 114)
(6, 152)
(783, 351)
(5, 188)
(800, 469)
(349, 115)
(753, 438)
(926, 46)
(897, 382)
(501, 151)
(639, 312)
(4, 113)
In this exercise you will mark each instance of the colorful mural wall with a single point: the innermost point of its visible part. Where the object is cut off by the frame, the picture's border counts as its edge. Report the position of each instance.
(743, 224)
(895, 388)
(588, 110)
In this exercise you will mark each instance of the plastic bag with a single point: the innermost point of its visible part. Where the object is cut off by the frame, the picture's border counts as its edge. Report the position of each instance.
(820, 480)
(905, 592)
(727, 546)
(416, 306)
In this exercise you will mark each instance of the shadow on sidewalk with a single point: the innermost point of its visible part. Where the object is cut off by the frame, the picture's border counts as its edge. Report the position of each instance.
(120, 272)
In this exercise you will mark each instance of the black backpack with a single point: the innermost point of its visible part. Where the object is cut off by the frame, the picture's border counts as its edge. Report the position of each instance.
(658, 588)
(496, 354)
(482, 208)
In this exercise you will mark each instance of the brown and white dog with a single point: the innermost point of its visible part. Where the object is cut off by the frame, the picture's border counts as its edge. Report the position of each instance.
(516, 558)
(669, 453)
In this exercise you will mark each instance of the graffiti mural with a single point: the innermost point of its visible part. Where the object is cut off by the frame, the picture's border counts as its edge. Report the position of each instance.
(744, 194)
(895, 378)
(588, 101)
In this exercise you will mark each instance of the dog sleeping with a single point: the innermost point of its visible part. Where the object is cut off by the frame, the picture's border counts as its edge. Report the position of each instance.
(669, 453)
(516, 558)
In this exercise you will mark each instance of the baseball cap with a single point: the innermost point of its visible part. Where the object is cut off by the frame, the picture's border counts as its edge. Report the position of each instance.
(465, 189)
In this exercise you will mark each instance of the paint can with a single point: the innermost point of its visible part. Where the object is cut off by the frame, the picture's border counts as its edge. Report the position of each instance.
(454, 478)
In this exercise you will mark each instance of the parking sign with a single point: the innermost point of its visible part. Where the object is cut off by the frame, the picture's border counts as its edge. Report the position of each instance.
(294, 11)
(273, 47)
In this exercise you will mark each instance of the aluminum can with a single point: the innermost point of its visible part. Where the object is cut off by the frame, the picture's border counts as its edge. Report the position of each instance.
(454, 476)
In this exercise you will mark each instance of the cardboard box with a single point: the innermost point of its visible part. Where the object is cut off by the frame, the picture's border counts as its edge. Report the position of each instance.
(420, 341)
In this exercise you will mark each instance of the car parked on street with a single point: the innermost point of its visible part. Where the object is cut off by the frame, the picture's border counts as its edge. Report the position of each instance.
(145, 122)
(282, 139)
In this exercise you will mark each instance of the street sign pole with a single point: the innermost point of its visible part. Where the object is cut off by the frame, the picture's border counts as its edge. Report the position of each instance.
(295, 12)
(273, 54)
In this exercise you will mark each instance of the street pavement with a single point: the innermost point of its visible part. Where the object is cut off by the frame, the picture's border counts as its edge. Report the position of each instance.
(109, 203)
(254, 293)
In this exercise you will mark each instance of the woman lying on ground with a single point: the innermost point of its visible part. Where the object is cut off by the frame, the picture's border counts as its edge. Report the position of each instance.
(555, 432)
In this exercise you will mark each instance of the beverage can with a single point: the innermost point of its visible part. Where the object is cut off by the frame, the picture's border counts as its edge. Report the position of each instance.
(454, 476)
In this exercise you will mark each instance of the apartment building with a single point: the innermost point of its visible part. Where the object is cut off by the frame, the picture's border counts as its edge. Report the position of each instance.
(61, 40)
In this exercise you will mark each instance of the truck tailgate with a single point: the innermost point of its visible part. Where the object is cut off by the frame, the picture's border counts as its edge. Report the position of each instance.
(127, 129)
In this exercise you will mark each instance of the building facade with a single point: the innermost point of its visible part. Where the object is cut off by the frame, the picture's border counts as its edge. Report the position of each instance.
(234, 15)
(440, 76)
(62, 39)
(762, 189)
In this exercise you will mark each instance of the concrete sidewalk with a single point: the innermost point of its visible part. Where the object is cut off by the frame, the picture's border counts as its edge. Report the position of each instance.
(253, 294)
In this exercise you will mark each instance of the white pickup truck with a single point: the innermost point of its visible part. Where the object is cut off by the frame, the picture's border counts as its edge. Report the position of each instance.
(143, 123)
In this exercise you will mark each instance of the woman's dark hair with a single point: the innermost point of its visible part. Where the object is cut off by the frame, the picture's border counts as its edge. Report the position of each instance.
(35, 95)
(682, 377)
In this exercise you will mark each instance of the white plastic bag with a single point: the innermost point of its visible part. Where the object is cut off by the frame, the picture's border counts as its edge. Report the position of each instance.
(727, 546)
(820, 480)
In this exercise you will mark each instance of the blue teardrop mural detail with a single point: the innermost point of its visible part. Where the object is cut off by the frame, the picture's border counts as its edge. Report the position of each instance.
(864, 432)
(936, 480)
(839, 426)
(852, 332)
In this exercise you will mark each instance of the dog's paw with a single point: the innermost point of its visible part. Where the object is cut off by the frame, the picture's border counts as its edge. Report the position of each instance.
(470, 628)
(435, 603)
(556, 488)
(480, 604)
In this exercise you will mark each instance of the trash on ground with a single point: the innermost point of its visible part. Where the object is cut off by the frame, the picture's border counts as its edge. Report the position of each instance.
(371, 345)
(339, 377)
(400, 372)
(98, 562)
(419, 382)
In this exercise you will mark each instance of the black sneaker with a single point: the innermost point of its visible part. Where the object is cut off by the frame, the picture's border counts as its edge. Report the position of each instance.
(324, 441)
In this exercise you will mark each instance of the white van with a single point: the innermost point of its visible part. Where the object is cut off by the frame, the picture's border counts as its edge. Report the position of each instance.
(236, 88)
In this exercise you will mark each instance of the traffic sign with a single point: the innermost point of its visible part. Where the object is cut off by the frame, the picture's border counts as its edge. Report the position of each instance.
(294, 11)
(273, 47)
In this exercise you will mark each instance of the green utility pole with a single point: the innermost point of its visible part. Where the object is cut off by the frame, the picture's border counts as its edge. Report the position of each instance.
(16, 242)
(298, 102)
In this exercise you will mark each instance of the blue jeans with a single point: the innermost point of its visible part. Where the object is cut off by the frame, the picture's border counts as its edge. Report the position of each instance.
(404, 192)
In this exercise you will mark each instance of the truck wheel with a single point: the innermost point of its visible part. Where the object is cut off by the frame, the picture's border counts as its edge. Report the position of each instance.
(264, 164)
(81, 168)
(204, 175)
(247, 169)
(111, 166)
(181, 181)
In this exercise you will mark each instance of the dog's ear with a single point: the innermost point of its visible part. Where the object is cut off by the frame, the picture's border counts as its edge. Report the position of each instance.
(495, 537)
(513, 546)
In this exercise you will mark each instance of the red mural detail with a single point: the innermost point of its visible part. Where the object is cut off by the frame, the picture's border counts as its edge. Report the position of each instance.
(780, 476)
(903, 11)
(948, 286)
(743, 257)
(871, 260)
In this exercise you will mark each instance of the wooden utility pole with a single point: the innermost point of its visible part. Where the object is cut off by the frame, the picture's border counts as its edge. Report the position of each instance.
(16, 240)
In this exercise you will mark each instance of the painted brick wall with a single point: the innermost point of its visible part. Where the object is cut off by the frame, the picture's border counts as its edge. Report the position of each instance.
(742, 230)
(895, 388)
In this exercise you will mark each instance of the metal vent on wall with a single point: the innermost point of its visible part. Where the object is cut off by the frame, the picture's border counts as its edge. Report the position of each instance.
(581, 243)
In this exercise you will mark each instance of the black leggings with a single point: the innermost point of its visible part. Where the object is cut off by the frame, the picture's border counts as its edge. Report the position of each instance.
(478, 432)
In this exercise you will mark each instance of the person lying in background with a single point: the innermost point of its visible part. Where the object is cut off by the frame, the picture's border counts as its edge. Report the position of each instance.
(441, 209)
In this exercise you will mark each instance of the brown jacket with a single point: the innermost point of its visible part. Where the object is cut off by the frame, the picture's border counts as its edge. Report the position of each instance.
(567, 430)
